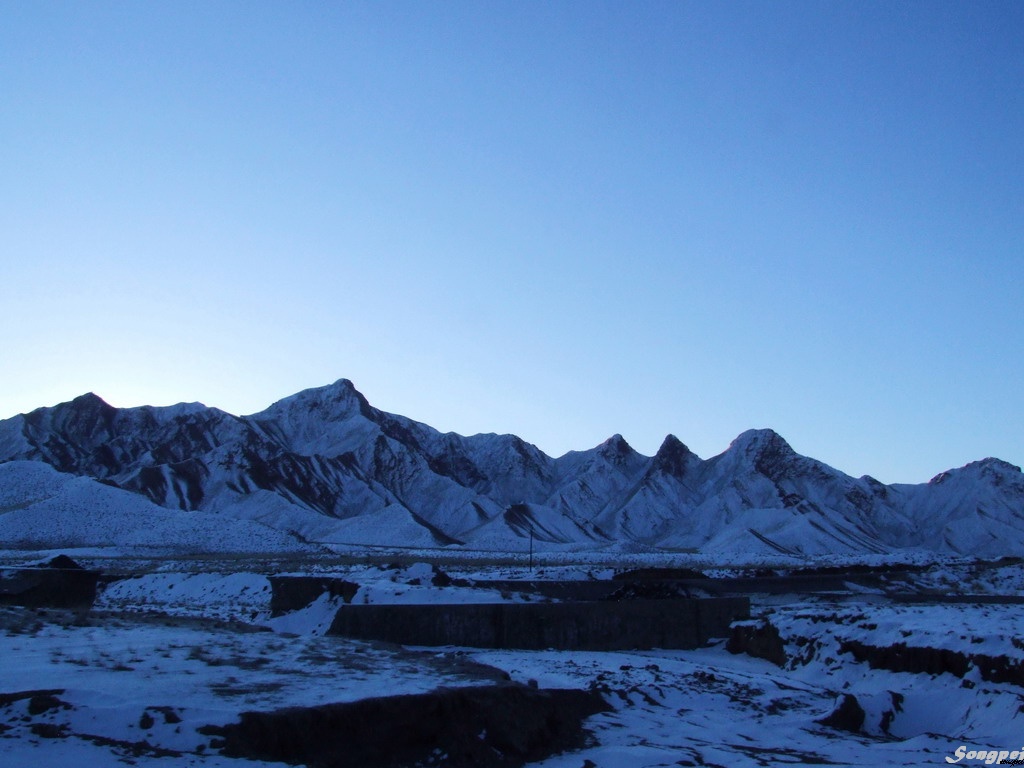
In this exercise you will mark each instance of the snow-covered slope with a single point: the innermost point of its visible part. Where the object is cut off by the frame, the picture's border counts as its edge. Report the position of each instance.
(41, 508)
(325, 466)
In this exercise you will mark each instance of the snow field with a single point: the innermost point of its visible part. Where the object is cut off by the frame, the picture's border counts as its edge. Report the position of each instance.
(196, 645)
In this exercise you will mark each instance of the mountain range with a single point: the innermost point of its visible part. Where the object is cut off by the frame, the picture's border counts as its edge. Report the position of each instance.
(323, 467)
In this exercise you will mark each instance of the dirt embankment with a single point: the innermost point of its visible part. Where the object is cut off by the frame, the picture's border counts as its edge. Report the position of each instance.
(763, 641)
(900, 657)
(499, 726)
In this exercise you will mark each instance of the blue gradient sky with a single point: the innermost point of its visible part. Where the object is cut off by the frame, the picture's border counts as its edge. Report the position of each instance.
(562, 220)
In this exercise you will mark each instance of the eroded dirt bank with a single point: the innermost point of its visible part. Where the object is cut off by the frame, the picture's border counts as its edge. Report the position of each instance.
(497, 726)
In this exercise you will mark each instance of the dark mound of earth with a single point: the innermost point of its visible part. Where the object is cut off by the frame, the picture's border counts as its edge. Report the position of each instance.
(497, 726)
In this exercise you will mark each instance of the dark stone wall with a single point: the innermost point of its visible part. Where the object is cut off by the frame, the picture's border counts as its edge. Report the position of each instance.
(48, 587)
(945, 599)
(291, 593)
(762, 641)
(901, 657)
(680, 623)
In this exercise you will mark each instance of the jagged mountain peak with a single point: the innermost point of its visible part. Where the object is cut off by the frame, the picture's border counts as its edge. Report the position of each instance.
(756, 441)
(333, 402)
(673, 456)
(92, 405)
(615, 447)
(616, 440)
(764, 451)
(89, 400)
(993, 464)
(89, 405)
(991, 469)
(672, 444)
(86, 414)
(501, 442)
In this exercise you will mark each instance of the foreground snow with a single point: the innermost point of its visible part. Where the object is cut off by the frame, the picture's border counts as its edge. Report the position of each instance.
(141, 687)
(168, 652)
(711, 707)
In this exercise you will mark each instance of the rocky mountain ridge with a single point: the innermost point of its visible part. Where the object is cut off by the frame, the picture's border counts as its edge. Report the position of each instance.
(325, 466)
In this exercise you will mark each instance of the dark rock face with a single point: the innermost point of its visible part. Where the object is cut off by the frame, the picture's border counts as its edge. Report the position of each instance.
(999, 669)
(900, 657)
(847, 716)
(38, 701)
(499, 726)
(767, 451)
(762, 641)
(291, 593)
(56, 428)
(616, 450)
(672, 457)
(936, 661)
(61, 583)
(890, 714)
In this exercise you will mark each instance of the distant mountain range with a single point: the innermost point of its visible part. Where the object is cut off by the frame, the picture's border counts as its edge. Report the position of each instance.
(325, 467)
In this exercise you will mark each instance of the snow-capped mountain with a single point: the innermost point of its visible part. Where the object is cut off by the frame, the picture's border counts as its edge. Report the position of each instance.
(325, 466)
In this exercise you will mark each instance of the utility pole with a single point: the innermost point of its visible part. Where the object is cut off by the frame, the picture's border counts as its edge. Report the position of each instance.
(531, 548)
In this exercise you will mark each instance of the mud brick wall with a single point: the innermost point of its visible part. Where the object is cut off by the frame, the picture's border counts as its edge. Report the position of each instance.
(679, 623)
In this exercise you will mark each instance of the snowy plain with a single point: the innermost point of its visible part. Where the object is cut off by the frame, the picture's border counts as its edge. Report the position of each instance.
(177, 645)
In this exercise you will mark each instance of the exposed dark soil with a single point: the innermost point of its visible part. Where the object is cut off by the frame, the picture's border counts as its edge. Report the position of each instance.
(498, 726)
(762, 641)
(847, 716)
(900, 657)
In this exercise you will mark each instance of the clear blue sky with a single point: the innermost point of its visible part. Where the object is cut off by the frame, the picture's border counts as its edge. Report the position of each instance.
(562, 220)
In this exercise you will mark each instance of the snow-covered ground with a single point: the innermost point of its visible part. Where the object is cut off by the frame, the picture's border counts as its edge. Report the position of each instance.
(711, 707)
(246, 596)
(113, 688)
(186, 645)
